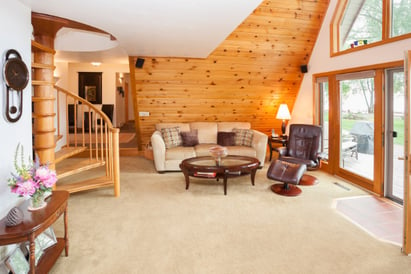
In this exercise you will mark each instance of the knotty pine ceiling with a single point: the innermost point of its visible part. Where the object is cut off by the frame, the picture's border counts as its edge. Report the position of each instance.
(245, 78)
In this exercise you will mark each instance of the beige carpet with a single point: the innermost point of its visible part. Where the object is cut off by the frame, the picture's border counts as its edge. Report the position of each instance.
(156, 226)
(122, 138)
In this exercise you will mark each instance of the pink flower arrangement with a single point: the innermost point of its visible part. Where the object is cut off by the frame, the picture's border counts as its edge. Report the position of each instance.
(32, 179)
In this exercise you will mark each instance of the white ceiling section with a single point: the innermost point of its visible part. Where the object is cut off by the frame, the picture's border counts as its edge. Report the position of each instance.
(67, 40)
(162, 28)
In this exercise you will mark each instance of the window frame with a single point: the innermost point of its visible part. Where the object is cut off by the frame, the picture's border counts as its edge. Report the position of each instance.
(386, 29)
(332, 165)
(319, 103)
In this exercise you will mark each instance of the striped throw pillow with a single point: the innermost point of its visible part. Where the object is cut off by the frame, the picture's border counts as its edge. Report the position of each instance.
(243, 137)
(171, 137)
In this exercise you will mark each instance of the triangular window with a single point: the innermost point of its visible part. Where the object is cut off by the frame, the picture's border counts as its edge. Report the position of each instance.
(366, 23)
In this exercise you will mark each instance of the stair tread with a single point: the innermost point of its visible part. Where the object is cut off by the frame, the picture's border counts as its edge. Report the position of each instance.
(86, 184)
(67, 152)
(75, 167)
(36, 46)
(41, 83)
(40, 99)
(41, 65)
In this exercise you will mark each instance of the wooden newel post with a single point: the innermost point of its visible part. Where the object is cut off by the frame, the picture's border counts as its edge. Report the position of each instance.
(116, 161)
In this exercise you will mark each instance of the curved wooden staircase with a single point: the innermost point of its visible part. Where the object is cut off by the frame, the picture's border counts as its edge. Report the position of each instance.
(60, 144)
(100, 142)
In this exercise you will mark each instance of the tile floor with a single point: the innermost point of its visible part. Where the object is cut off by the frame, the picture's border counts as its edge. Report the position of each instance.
(381, 218)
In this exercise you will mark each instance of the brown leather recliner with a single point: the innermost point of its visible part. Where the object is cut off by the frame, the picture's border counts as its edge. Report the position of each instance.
(303, 146)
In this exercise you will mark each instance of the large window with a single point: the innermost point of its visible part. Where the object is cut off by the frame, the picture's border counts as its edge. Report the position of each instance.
(359, 23)
(401, 17)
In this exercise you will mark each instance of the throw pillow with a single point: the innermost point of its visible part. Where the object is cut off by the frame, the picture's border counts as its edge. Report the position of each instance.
(243, 137)
(171, 136)
(226, 138)
(189, 138)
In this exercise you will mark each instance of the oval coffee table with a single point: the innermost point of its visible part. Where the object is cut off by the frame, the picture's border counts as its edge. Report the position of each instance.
(231, 166)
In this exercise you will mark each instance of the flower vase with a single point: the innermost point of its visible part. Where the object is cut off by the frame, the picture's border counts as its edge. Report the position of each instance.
(37, 202)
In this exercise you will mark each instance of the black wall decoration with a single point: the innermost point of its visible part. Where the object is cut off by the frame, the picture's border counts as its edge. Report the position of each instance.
(89, 86)
(16, 76)
(304, 68)
(139, 62)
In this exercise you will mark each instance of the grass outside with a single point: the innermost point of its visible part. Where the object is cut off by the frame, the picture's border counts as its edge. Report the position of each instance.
(347, 125)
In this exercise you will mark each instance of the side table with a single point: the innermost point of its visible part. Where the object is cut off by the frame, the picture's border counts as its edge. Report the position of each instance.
(283, 140)
(34, 223)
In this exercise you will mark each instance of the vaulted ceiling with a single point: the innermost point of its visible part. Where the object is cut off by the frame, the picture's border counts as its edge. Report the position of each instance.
(181, 28)
(254, 70)
(161, 28)
(241, 59)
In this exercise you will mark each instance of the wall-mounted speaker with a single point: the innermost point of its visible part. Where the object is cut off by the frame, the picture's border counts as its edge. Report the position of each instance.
(304, 68)
(139, 62)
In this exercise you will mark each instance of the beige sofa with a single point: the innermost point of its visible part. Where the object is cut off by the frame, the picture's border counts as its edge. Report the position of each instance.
(169, 159)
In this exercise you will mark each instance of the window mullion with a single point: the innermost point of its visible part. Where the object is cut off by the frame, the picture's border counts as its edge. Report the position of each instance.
(386, 19)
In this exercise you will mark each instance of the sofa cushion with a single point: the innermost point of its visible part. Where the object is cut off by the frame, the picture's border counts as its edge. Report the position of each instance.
(203, 149)
(171, 137)
(225, 138)
(207, 132)
(242, 150)
(182, 126)
(229, 126)
(189, 138)
(180, 153)
(243, 137)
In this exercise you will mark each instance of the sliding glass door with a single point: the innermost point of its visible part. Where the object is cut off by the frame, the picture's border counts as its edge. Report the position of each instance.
(356, 132)
(395, 158)
(324, 115)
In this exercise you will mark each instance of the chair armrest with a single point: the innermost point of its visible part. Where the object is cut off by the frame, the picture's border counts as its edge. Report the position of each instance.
(281, 150)
(259, 143)
(159, 151)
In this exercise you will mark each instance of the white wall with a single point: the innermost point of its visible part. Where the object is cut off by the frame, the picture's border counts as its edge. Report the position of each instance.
(109, 71)
(15, 30)
(321, 61)
(61, 73)
(120, 101)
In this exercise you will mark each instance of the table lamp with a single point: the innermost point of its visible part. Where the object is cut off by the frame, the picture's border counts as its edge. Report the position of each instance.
(283, 114)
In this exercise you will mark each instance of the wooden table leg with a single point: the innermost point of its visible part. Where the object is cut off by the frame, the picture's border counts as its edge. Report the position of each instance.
(32, 260)
(66, 248)
(253, 172)
(187, 177)
(225, 183)
(270, 147)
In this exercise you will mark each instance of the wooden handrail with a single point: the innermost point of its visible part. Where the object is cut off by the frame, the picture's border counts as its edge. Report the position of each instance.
(102, 137)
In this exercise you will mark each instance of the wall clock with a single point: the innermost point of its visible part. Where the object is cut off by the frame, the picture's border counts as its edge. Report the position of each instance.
(16, 76)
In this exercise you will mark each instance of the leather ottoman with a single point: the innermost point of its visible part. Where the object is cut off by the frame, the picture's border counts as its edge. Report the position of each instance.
(289, 174)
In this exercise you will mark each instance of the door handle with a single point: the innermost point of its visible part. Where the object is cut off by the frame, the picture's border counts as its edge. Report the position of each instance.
(394, 134)
(401, 158)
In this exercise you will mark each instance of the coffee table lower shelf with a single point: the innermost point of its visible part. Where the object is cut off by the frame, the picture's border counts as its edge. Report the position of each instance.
(239, 166)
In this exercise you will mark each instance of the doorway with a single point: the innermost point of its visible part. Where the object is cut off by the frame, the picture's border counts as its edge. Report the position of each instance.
(395, 117)
(357, 97)
(125, 113)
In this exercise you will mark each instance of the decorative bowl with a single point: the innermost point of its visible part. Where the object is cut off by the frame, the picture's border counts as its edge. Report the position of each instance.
(218, 152)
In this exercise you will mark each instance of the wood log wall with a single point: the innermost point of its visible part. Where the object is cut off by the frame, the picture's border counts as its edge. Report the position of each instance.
(246, 78)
